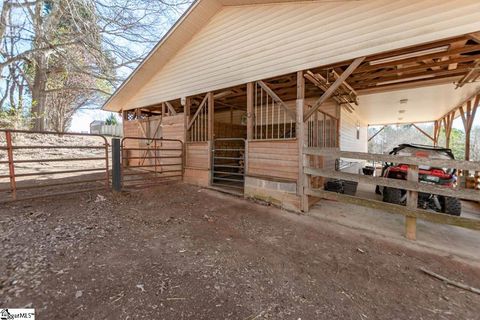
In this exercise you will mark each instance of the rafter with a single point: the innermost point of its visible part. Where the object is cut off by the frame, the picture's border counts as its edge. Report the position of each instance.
(331, 90)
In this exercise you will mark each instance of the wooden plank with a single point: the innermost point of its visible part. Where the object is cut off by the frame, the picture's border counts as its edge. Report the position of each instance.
(327, 94)
(395, 183)
(210, 115)
(250, 112)
(274, 156)
(171, 109)
(302, 143)
(438, 163)
(397, 209)
(412, 204)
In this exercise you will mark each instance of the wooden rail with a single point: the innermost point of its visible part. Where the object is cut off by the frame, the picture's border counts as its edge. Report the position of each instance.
(439, 163)
(412, 185)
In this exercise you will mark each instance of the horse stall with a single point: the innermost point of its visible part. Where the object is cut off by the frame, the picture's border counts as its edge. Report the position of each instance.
(277, 113)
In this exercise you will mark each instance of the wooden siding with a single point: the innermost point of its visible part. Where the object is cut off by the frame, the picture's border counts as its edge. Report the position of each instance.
(173, 127)
(273, 159)
(245, 43)
(197, 155)
(154, 127)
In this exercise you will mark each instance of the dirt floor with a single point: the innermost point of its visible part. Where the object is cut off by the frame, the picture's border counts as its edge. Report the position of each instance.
(181, 252)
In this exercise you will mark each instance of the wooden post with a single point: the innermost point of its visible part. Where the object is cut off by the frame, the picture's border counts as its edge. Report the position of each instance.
(468, 116)
(11, 164)
(436, 132)
(448, 121)
(302, 180)
(412, 203)
(186, 111)
(250, 113)
(211, 115)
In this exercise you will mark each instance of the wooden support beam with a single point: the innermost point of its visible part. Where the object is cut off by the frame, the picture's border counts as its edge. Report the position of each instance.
(320, 82)
(439, 55)
(423, 132)
(331, 90)
(412, 204)
(265, 87)
(348, 88)
(376, 133)
(302, 179)
(436, 131)
(211, 104)
(186, 111)
(468, 117)
(448, 123)
(171, 110)
(470, 76)
(250, 112)
(475, 36)
(223, 94)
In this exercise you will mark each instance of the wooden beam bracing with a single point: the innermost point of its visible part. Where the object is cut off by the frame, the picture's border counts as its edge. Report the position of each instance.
(423, 132)
(265, 87)
(200, 107)
(376, 133)
(331, 90)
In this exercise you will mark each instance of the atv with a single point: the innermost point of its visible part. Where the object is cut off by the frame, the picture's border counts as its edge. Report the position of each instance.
(426, 174)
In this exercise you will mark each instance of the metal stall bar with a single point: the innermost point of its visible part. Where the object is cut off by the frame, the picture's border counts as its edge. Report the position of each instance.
(228, 165)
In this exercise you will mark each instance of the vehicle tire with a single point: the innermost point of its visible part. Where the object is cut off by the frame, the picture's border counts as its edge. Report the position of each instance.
(451, 206)
(392, 195)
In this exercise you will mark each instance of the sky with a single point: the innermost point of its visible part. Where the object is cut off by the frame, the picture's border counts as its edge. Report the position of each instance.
(82, 119)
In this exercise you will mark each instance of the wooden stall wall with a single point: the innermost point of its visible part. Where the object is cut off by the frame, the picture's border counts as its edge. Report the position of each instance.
(197, 163)
(173, 127)
(273, 159)
(167, 127)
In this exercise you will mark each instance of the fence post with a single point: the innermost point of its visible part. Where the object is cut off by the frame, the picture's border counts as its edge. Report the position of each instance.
(11, 164)
(412, 203)
(116, 165)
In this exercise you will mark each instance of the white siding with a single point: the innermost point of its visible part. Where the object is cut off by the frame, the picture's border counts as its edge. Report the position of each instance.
(348, 139)
(246, 43)
(348, 132)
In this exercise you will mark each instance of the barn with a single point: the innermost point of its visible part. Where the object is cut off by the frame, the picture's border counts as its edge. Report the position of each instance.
(270, 97)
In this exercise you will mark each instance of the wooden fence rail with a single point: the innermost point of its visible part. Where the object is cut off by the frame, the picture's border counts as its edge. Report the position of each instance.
(412, 185)
(439, 163)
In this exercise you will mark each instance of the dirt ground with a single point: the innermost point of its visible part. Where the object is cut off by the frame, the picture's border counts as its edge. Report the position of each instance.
(182, 252)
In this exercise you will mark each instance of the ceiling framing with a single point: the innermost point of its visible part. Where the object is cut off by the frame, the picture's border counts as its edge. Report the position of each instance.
(455, 60)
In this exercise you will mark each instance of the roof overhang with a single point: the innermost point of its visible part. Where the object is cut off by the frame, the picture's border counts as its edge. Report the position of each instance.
(196, 16)
(414, 105)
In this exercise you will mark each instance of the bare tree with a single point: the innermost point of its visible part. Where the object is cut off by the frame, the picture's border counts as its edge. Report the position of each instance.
(112, 36)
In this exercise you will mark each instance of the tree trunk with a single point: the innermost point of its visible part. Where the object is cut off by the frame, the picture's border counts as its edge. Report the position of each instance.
(39, 94)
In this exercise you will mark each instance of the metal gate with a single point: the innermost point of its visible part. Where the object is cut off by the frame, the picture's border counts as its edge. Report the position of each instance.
(40, 164)
(228, 163)
(147, 161)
